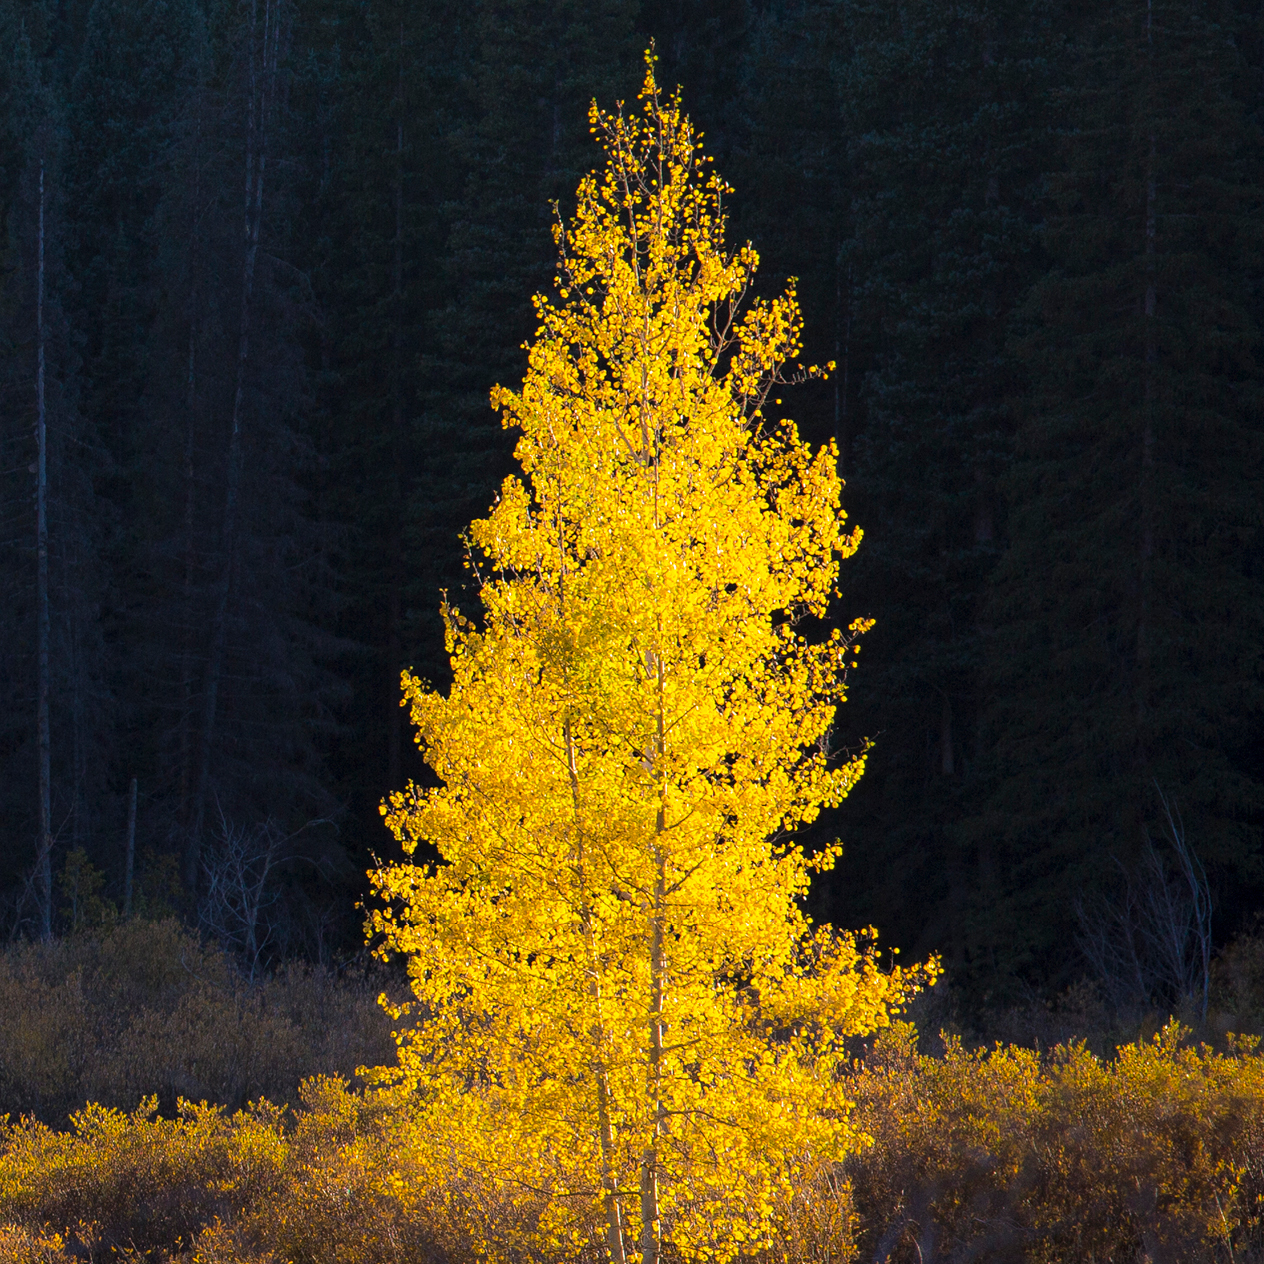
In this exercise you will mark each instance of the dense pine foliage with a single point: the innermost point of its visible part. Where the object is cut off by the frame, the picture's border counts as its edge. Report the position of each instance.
(290, 245)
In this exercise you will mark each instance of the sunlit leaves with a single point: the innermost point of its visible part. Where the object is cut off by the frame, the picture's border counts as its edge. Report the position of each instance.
(613, 972)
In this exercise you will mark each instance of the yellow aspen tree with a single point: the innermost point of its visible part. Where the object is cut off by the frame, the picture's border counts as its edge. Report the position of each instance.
(623, 1017)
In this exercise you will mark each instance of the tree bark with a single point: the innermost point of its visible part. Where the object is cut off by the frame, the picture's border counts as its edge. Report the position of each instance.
(260, 88)
(187, 618)
(44, 852)
(947, 763)
(651, 1226)
(605, 1130)
(842, 361)
(187, 672)
(130, 867)
(984, 520)
(394, 718)
(1145, 578)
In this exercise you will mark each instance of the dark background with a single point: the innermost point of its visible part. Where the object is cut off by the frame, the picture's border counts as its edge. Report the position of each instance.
(1028, 232)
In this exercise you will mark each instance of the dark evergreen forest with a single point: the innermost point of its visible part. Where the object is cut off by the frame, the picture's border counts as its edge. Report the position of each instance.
(264, 259)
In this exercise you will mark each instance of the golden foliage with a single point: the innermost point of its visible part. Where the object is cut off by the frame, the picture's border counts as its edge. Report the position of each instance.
(332, 1187)
(624, 1018)
(23, 1246)
(1157, 1153)
(996, 1154)
(120, 1181)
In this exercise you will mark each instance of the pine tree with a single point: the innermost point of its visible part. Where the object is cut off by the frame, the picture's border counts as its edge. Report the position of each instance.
(224, 633)
(798, 183)
(518, 130)
(902, 151)
(947, 148)
(380, 167)
(57, 713)
(1126, 659)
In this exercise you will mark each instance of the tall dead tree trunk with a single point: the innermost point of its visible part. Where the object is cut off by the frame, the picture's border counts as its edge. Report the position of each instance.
(188, 680)
(129, 869)
(1145, 577)
(947, 762)
(44, 854)
(260, 91)
(394, 717)
(842, 359)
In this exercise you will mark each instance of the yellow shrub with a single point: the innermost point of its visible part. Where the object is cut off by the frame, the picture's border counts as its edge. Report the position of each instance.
(22, 1246)
(339, 1184)
(347, 1195)
(367, 1182)
(135, 1182)
(1156, 1153)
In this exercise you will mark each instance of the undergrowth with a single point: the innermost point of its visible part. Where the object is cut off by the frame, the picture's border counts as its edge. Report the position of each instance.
(1004, 1154)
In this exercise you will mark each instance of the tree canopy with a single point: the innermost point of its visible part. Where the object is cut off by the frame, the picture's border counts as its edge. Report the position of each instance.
(1028, 234)
(617, 985)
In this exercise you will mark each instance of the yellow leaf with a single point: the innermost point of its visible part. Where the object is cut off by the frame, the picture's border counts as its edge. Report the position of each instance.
(618, 988)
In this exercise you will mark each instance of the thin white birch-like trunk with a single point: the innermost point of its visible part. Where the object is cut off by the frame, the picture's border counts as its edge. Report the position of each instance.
(605, 1128)
(187, 673)
(651, 1224)
(394, 614)
(1146, 560)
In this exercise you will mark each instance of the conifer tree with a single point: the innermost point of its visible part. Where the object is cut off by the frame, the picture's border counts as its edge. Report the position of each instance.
(1126, 659)
(51, 564)
(624, 1014)
(947, 146)
(515, 136)
(900, 151)
(798, 183)
(376, 95)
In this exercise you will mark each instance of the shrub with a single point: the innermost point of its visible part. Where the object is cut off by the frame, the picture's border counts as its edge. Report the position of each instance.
(133, 1182)
(331, 1186)
(21, 1246)
(1001, 1155)
(1158, 1153)
(1237, 985)
(141, 1007)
